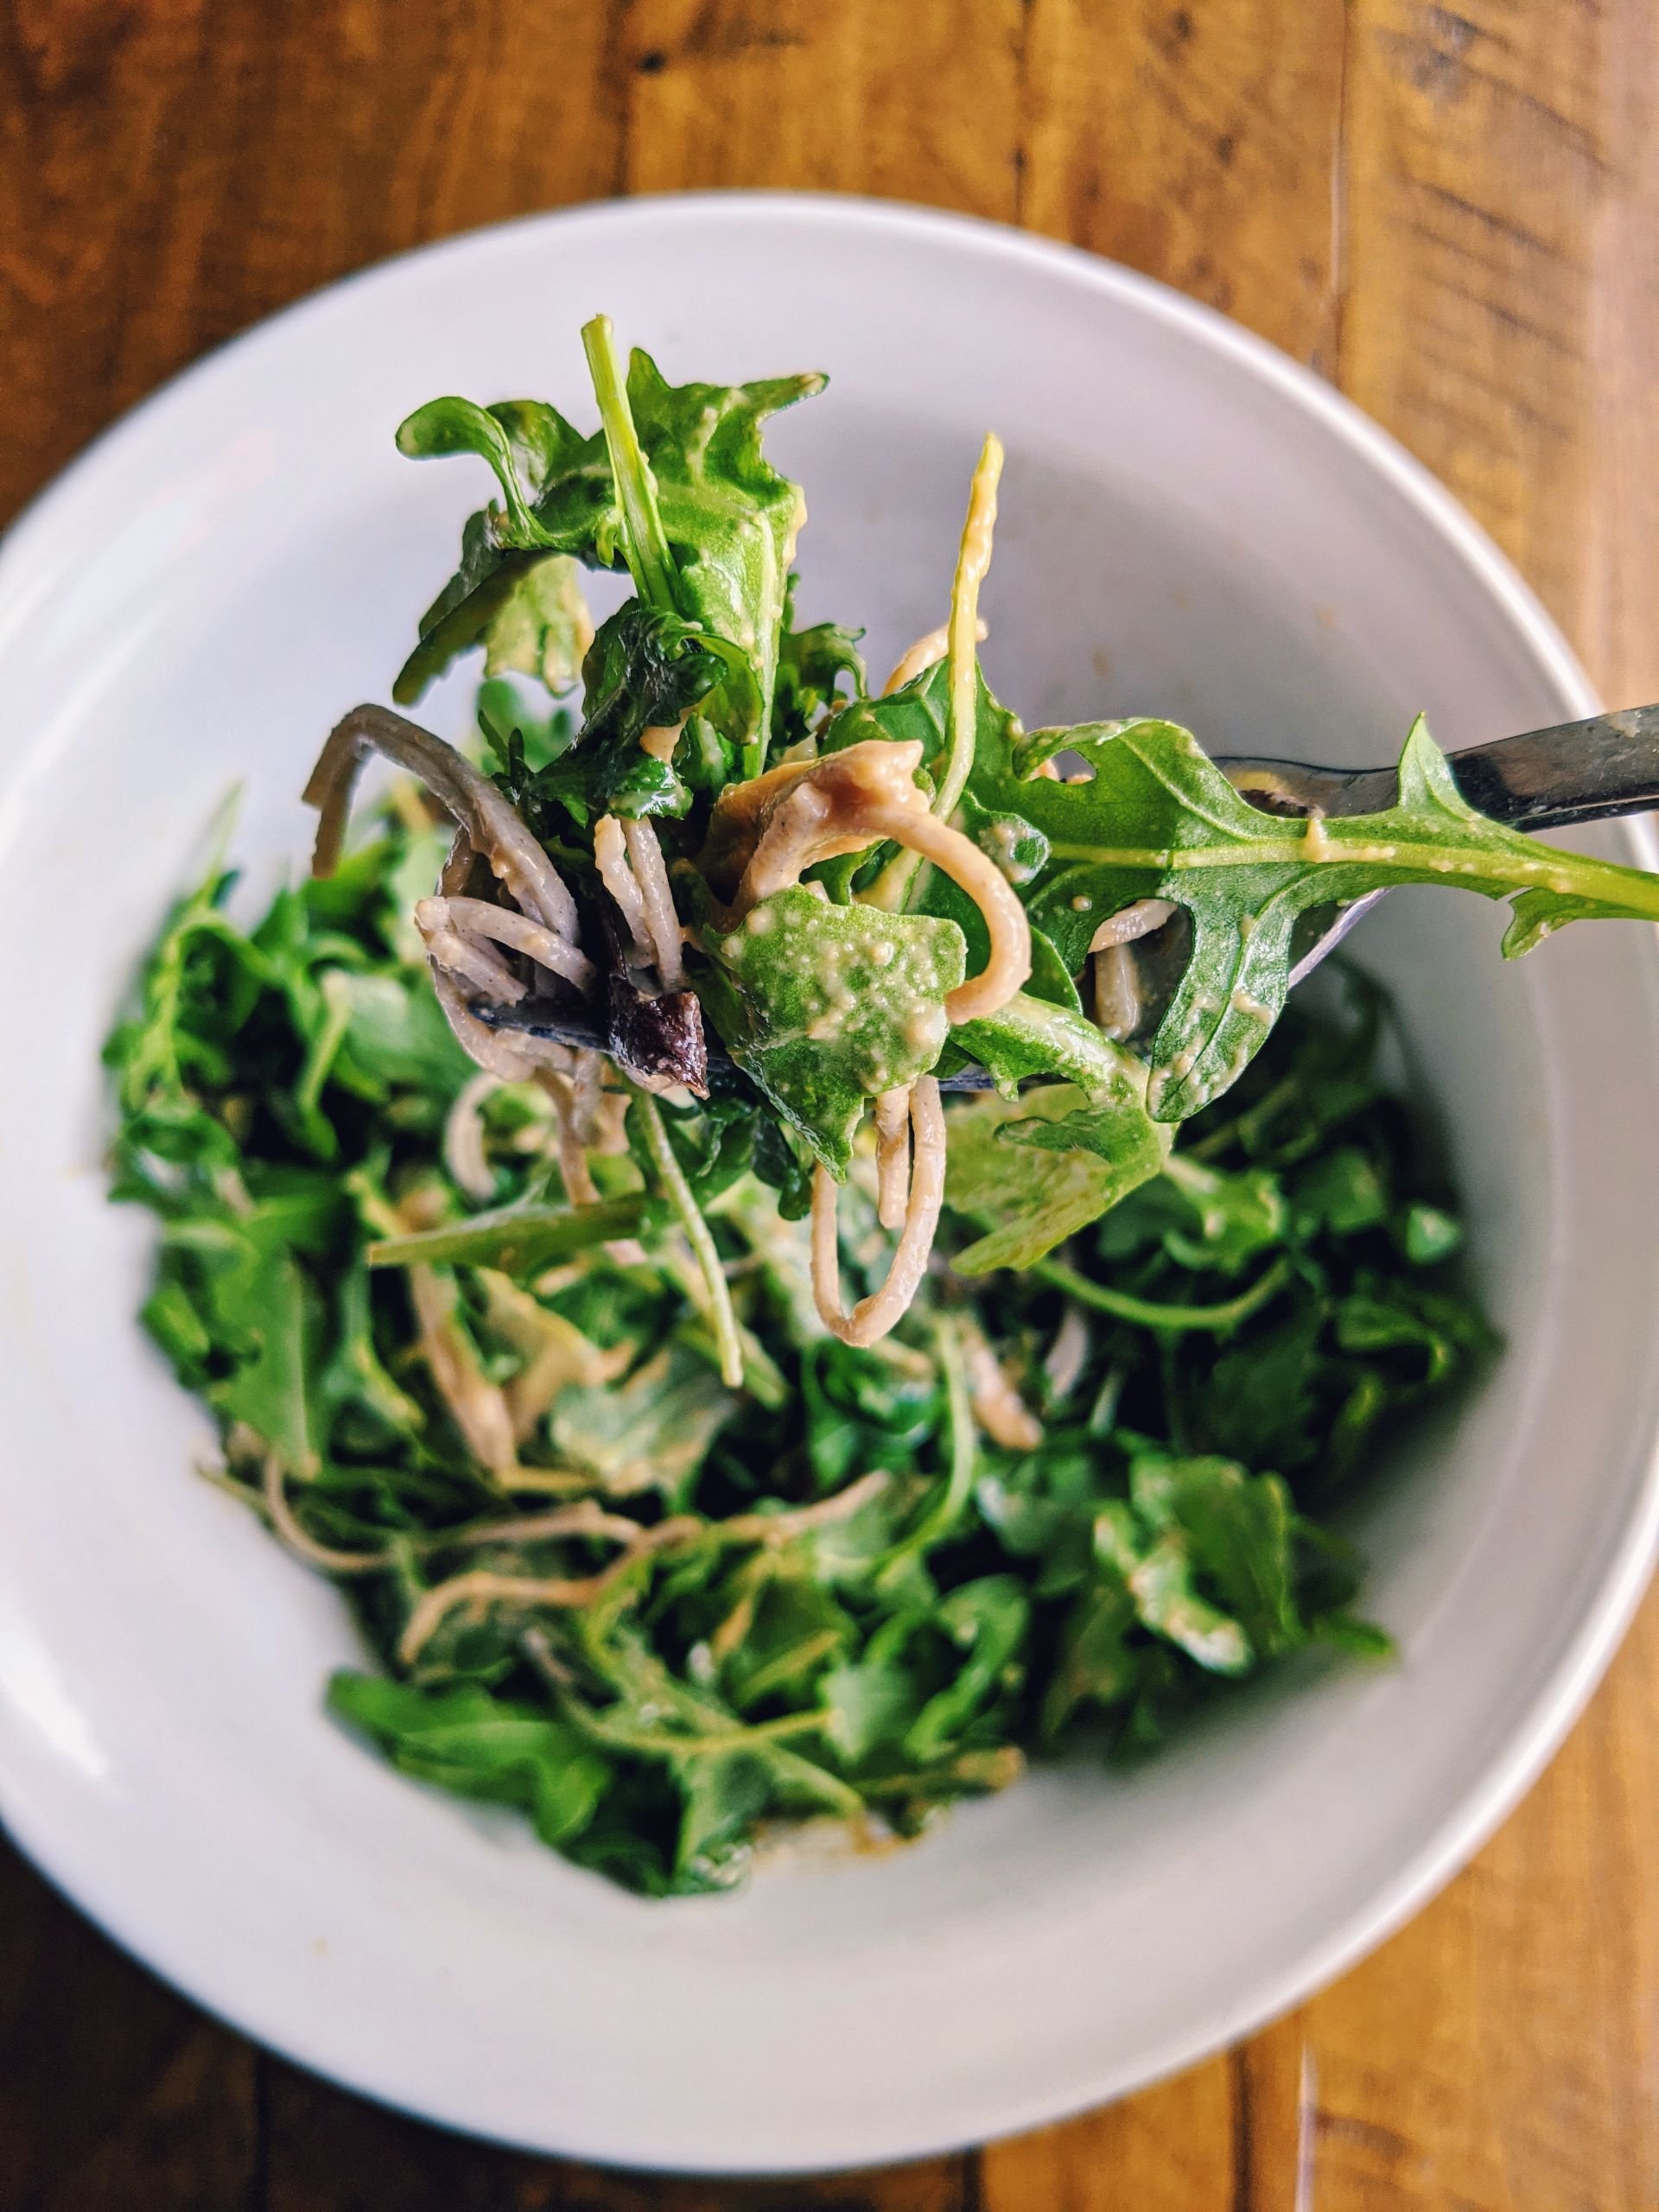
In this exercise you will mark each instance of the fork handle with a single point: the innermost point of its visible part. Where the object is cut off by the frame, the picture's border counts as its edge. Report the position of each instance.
(1577, 772)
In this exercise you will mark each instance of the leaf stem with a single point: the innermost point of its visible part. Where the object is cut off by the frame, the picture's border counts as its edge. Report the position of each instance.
(677, 1190)
(650, 561)
(943, 1518)
(1170, 1319)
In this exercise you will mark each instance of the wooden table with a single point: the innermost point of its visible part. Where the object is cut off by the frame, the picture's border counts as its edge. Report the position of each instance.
(1454, 216)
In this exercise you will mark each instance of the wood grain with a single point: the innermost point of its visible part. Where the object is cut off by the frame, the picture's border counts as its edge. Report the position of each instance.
(1200, 144)
(114, 2093)
(1452, 211)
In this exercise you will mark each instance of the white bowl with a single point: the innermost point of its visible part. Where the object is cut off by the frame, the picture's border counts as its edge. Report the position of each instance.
(1190, 525)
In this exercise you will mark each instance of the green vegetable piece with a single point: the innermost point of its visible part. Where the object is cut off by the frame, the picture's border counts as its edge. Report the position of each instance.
(1239, 1528)
(830, 1005)
(812, 664)
(475, 1744)
(1238, 1216)
(652, 1431)
(518, 1237)
(1030, 1036)
(1095, 1665)
(644, 670)
(558, 498)
(1429, 1235)
(1033, 1196)
(1156, 818)
(394, 1036)
(1158, 1576)
(989, 1620)
(542, 628)
(867, 1704)
(1343, 1191)
(731, 521)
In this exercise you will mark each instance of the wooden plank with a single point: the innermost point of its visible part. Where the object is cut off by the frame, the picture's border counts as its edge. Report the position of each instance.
(113, 2091)
(169, 174)
(920, 102)
(1477, 168)
(1502, 2055)
(327, 2151)
(1172, 2149)
(1198, 144)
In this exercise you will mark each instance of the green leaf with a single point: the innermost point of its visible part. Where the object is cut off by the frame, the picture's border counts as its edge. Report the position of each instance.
(542, 627)
(558, 496)
(644, 670)
(479, 1746)
(518, 1237)
(1237, 1216)
(1156, 818)
(724, 1795)
(1239, 1529)
(867, 1704)
(652, 1431)
(1429, 1235)
(1031, 1196)
(986, 1619)
(812, 664)
(1096, 1664)
(1158, 1576)
(730, 519)
(1342, 1192)
(830, 1005)
(395, 1035)
(1030, 1036)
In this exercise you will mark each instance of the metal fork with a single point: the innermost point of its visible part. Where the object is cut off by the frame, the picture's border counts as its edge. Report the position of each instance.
(1543, 779)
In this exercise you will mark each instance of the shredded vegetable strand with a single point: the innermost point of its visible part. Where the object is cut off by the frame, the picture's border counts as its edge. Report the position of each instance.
(962, 633)
(892, 1155)
(656, 900)
(972, 564)
(873, 1316)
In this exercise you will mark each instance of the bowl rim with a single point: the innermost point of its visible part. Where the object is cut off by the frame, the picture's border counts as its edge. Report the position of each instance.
(1490, 1794)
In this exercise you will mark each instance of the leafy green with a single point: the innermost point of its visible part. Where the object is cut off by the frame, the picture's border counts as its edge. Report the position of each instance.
(479, 1746)
(812, 665)
(737, 1662)
(1032, 1195)
(825, 1006)
(652, 1431)
(727, 519)
(1155, 818)
(637, 1544)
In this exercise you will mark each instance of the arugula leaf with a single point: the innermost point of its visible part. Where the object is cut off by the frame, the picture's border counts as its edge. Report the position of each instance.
(1156, 818)
(558, 498)
(517, 1237)
(811, 665)
(645, 672)
(1096, 1664)
(652, 1431)
(476, 1745)
(1030, 1196)
(824, 1006)
(1157, 1566)
(1239, 1528)
(731, 521)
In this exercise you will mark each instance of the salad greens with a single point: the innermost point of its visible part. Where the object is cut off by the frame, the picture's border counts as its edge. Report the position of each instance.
(1056, 1509)
(529, 1344)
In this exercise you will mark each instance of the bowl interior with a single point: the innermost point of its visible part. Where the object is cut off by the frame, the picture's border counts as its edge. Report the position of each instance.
(1185, 529)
